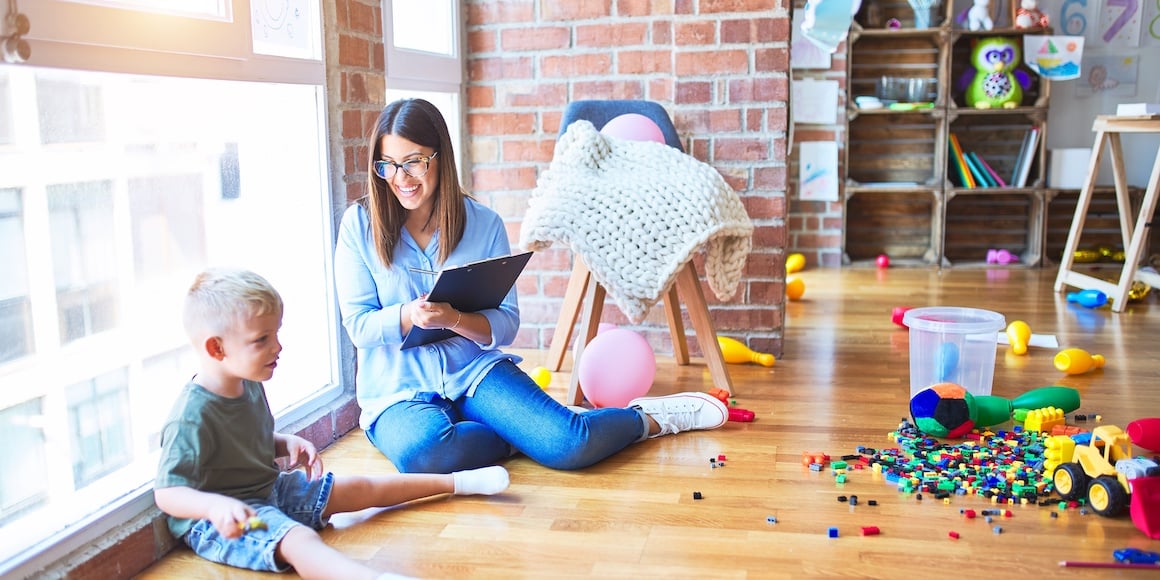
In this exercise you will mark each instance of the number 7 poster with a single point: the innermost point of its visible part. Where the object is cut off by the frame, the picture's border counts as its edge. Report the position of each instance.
(1120, 22)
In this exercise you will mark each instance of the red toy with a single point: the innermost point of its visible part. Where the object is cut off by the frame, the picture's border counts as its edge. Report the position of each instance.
(740, 415)
(883, 261)
(897, 314)
(1145, 433)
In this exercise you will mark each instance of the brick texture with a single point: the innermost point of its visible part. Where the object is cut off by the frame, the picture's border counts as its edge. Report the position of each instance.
(815, 226)
(721, 69)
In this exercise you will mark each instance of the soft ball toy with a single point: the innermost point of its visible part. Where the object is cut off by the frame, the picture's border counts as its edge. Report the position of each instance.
(995, 84)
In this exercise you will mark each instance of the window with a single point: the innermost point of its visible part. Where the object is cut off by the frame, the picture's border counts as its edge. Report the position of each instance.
(132, 157)
(424, 58)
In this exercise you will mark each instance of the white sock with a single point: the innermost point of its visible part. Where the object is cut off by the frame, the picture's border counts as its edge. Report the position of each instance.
(483, 481)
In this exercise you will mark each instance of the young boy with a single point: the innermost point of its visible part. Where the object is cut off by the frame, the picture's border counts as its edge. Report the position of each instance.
(217, 479)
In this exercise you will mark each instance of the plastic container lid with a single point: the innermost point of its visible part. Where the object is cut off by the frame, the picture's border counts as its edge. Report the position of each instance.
(954, 320)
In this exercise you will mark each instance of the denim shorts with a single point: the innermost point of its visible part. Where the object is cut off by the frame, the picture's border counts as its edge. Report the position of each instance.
(295, 501)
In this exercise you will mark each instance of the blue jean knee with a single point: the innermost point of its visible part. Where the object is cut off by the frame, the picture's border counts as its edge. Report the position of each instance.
(294, 501)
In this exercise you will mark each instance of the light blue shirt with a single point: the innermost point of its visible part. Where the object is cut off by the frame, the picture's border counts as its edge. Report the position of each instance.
(371, 296)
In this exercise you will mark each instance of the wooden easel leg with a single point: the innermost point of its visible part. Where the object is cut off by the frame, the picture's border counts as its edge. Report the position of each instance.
(593, 308)
(689, 288)
(1081, 207)
(1136, 248)
(676, 326)
(569, 312)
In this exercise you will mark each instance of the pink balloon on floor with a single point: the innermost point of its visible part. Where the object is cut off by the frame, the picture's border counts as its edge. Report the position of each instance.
(616, 367)
(634, 127)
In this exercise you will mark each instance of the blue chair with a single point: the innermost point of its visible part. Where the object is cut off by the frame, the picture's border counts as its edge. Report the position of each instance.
(585, 295)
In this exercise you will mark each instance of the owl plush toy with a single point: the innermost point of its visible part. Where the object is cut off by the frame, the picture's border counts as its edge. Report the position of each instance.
(997, 82)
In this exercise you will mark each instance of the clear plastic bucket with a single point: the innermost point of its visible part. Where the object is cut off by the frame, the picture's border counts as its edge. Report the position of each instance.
(953, 345)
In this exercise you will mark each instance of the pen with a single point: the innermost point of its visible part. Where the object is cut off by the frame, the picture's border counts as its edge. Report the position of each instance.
(422, 271)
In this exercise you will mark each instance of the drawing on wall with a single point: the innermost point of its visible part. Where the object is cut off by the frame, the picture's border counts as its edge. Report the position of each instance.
(1055, 58)
(814, 101)
(1109, 75)
(280, 27)
(1120, 22)
(818, 171)
(803, 53)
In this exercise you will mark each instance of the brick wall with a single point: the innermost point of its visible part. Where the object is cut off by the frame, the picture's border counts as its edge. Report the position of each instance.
(720, 67)
(815, 227)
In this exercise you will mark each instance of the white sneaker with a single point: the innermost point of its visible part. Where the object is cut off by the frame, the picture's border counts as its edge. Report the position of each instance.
(683, 412)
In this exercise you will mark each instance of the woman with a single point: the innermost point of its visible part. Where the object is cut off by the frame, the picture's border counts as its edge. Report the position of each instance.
(459, 403)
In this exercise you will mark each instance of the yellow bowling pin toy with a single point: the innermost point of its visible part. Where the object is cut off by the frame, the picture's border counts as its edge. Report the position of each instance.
(794, 263)
(1019, 335)
(736, 352)
(1076, 361)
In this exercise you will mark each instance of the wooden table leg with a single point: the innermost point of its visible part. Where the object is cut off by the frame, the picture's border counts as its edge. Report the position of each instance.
(1136, 247)
(1081, 208)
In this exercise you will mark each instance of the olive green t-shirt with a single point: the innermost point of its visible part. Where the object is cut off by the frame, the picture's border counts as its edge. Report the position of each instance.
(217, 444)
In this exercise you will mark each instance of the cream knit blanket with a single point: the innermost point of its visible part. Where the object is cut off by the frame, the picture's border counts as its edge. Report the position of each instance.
(636, 212)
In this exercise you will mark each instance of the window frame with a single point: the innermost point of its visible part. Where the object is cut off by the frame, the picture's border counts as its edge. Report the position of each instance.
(85, 35)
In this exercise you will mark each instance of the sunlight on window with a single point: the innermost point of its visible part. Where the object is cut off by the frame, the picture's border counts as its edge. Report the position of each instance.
(205, 8)
(412, 26)
(115, 190)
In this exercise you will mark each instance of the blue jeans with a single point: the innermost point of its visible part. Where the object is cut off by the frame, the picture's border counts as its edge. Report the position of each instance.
(508, 412)
(295, 501)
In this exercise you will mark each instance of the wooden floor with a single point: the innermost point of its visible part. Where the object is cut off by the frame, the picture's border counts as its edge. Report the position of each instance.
(842, 382)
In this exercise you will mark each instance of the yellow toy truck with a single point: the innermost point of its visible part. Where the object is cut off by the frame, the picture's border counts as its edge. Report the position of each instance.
(1098, 470)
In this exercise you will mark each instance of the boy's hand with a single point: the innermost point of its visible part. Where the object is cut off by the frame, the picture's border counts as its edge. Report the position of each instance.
(229, 516)
(303, 454)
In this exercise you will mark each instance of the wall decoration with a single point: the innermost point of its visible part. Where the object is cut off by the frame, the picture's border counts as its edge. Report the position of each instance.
(1055, 58)
(1120, 22)
(1110, 75)
(818, 171)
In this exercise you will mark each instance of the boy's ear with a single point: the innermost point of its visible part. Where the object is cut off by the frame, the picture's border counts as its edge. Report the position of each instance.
(213, 347)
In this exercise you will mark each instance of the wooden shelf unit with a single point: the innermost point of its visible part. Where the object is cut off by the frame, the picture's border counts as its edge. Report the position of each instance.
(899, 199)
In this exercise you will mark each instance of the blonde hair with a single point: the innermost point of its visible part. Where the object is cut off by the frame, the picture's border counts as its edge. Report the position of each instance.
(220, 297)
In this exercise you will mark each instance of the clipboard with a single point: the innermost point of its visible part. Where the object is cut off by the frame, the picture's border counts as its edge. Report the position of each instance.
(470, 288)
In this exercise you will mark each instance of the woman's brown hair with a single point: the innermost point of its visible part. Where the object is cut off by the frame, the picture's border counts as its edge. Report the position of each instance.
(418, 121)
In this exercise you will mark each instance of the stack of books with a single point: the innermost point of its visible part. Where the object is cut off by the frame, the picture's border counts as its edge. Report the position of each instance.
(969, 170)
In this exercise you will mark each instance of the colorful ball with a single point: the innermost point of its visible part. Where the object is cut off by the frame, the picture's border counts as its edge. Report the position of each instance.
(541, 376)
(794, 263)
(633, 127)
(617, 366)
(944, 410)
(795, 288)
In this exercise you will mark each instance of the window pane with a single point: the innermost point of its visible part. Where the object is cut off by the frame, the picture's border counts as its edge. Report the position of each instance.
(7, 134)
(424, 26)
(15, 306)
(284, 28)
(205, 8)
(124, 190)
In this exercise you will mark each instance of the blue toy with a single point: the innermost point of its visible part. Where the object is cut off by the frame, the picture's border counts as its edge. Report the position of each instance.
(998, 82)
(1089, 298)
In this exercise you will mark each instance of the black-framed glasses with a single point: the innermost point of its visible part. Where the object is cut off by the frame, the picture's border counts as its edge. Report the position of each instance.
(416, 167)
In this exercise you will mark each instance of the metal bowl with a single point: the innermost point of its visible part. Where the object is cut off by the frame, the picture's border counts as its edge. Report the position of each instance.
(907, 89)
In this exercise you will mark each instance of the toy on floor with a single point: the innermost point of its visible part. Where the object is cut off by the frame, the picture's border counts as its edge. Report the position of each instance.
(1029, 16)
(1019, 335)
(883, 261)
(617, 366)
(1088, 298)
(949, 410)
(1100, 470)
(1145, 433)
(1076, 361)
(1001, 257)
(897, 313)
(794, 263)
(541, 376)
(795, 288)
(998, 82)
(736, 352)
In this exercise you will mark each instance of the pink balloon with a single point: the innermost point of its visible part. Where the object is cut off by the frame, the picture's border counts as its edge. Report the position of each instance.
(604, 326)
(616, 367)
(633, 127)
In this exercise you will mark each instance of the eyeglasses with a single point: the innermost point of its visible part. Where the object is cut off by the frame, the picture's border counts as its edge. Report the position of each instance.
(416, 167)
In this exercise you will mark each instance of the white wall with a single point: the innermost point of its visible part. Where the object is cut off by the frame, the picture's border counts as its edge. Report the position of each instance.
(1073, 105)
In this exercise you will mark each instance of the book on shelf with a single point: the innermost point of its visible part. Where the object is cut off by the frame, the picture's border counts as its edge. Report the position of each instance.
(958, 159)
(981, 176)
(1137, 109)
(991, 171)
(1026, 158)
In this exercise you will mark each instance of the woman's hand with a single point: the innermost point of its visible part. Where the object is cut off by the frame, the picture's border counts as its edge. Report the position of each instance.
(433, 314)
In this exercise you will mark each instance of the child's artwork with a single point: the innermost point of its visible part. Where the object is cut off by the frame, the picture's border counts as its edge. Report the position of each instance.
(1109, 76)
(1055, 58)
(818, 171)
(804, 53)
(827, 22)
(1120, 22)
(814, 101)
